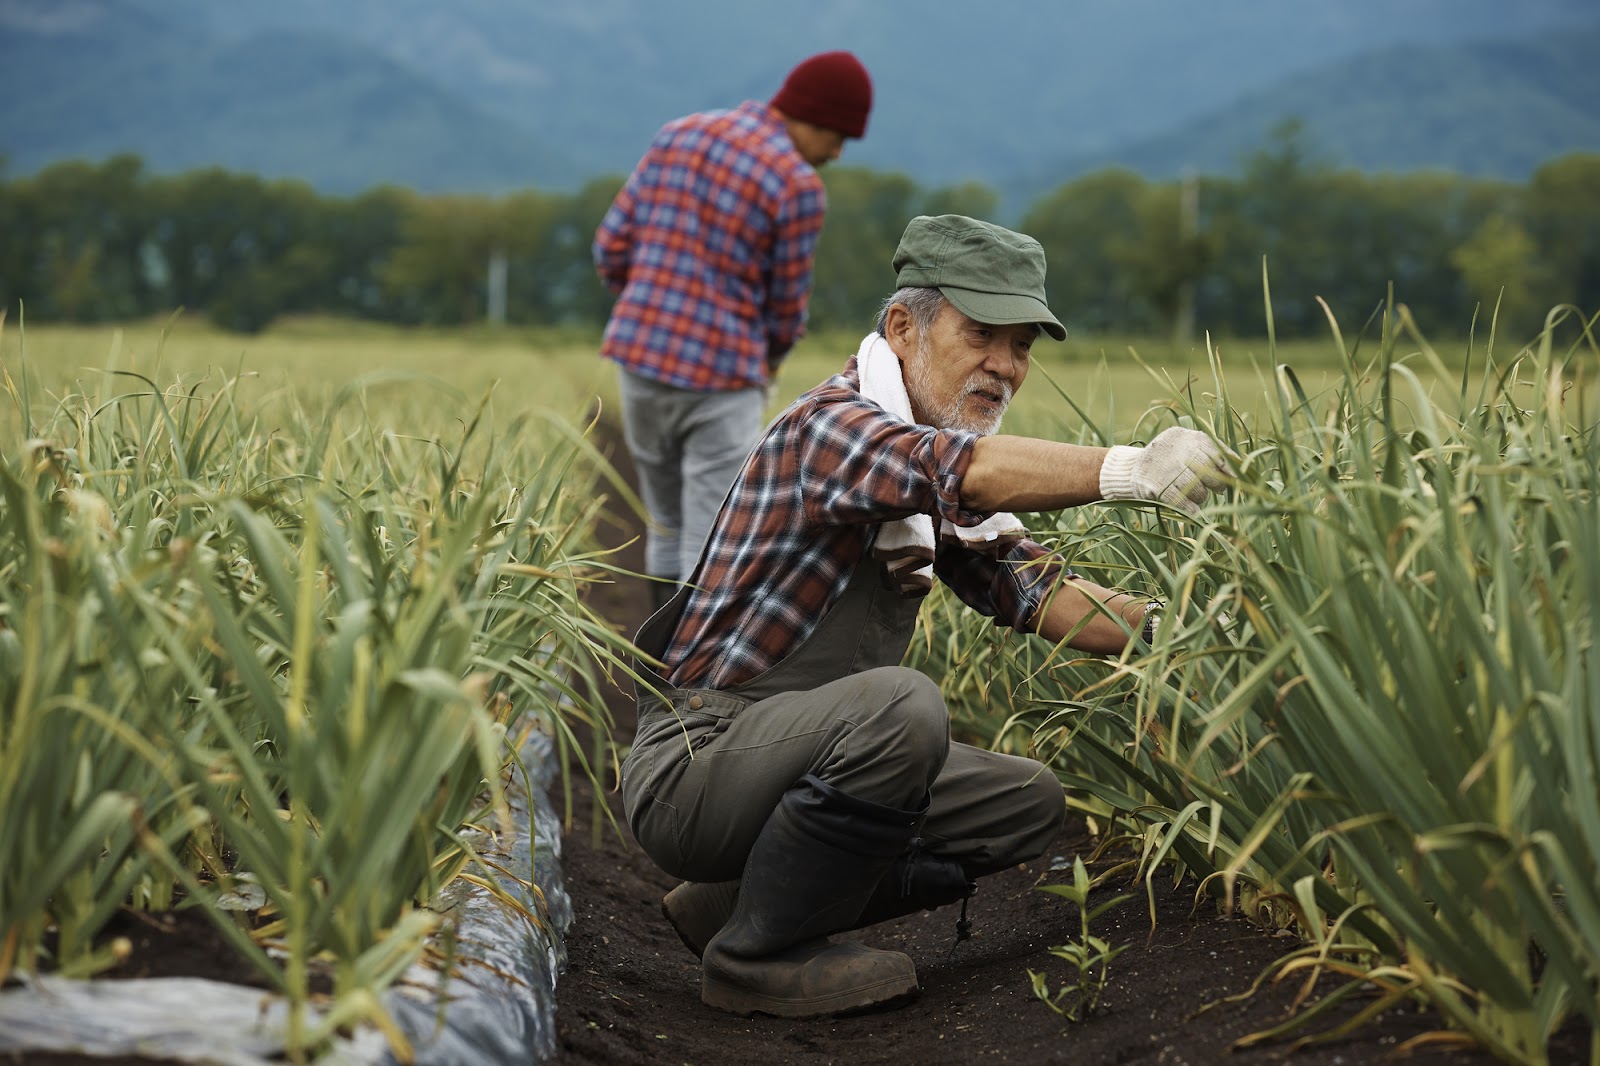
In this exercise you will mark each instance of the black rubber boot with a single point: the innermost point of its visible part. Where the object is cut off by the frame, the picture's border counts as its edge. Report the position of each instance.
(811, 871)
(697, 911)
(915, 882)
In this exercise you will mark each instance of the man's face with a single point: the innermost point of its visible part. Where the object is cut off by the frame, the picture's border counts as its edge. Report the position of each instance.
(816, 145)
(960, 373)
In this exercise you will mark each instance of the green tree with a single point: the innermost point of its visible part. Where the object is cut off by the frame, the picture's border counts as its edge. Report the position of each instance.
(76, 238)
(1500, 265)
(867, 213)
(1403, 229)
(556, 283)
(1087, 227)
(438, 271)
(16, 251)
(357, 236)
(971, 198)
(1161, 261)
(1277, 211)
(1563, 216)
(241, 249)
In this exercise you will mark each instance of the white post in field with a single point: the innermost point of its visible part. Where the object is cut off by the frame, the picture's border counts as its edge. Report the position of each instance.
(497, 288)
(1188, 229)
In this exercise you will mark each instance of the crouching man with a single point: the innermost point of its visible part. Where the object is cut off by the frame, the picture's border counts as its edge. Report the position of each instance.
(797, 777)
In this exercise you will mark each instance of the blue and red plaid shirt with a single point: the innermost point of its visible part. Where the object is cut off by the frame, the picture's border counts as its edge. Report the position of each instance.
(708, 247)
(804, 513)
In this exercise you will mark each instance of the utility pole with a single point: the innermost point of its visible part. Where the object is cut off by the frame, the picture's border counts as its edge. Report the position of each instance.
(1188, 230)
(496, 310)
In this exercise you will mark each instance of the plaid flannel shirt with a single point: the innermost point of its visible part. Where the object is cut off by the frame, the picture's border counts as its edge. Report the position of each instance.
(709, 247)
(803, 514)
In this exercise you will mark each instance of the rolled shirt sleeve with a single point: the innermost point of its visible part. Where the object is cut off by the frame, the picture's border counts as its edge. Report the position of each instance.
(860, 465)
(1009, 589)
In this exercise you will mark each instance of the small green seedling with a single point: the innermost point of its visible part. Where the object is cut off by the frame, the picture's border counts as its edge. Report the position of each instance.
(1075, 1002)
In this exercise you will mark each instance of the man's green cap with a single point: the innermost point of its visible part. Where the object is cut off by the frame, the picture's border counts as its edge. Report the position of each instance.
(991, 274)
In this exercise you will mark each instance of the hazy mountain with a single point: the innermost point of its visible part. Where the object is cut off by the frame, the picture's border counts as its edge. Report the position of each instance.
(101, 78)
(1489, 109)
(496, 93)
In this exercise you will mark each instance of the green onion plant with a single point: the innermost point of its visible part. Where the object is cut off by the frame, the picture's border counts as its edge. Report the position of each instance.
(285, 643)
(1372, 707)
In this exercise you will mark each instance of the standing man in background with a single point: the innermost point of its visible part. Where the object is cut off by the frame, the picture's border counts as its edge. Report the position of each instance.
(709, 248)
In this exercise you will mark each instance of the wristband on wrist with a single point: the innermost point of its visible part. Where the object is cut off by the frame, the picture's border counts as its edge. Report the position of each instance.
(1152, 618)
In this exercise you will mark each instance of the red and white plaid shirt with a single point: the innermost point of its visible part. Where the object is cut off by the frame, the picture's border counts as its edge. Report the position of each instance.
(803, 514)
(709, 247)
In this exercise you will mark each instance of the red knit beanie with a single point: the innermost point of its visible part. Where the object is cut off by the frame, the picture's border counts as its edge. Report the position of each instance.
(831, 90)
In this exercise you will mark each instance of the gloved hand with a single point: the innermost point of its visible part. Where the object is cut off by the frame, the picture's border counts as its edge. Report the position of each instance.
(1178, 469)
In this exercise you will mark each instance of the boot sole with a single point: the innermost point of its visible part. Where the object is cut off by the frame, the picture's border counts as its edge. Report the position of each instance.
(743, 1002)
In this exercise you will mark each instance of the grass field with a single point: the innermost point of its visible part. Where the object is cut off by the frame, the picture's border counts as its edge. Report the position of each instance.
(1111, 381)
(1377, 644)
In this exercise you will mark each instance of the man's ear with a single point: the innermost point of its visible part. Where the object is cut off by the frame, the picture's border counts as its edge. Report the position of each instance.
(900, 331)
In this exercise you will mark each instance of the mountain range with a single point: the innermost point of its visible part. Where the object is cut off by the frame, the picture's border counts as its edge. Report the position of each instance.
(491, 95)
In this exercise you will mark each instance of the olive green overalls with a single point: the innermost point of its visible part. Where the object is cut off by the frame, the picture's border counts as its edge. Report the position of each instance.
(708, 766)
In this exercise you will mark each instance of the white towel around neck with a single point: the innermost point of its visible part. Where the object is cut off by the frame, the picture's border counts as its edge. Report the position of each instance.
(906, 545)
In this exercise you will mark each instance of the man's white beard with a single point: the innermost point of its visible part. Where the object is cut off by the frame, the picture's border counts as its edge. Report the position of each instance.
(947, 414)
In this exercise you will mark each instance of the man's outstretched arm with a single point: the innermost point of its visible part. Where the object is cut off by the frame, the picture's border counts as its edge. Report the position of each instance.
(1008, 473)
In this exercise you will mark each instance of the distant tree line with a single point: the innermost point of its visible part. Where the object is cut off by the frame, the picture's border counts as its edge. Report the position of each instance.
(103, 242)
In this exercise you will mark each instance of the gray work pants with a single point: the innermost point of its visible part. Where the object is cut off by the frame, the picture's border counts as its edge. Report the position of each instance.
(688, 447)
(708, 766)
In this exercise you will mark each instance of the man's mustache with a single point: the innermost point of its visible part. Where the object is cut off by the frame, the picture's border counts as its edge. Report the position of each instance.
(998, 386)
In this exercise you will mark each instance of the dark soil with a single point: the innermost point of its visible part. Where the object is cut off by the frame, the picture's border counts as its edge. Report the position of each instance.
(630, 993)
(180, 943)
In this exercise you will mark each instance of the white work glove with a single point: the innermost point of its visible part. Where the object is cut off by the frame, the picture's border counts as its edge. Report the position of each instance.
(1178, 469)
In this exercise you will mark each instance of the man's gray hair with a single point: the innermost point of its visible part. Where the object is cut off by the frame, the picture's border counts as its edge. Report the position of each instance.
(923, 303)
